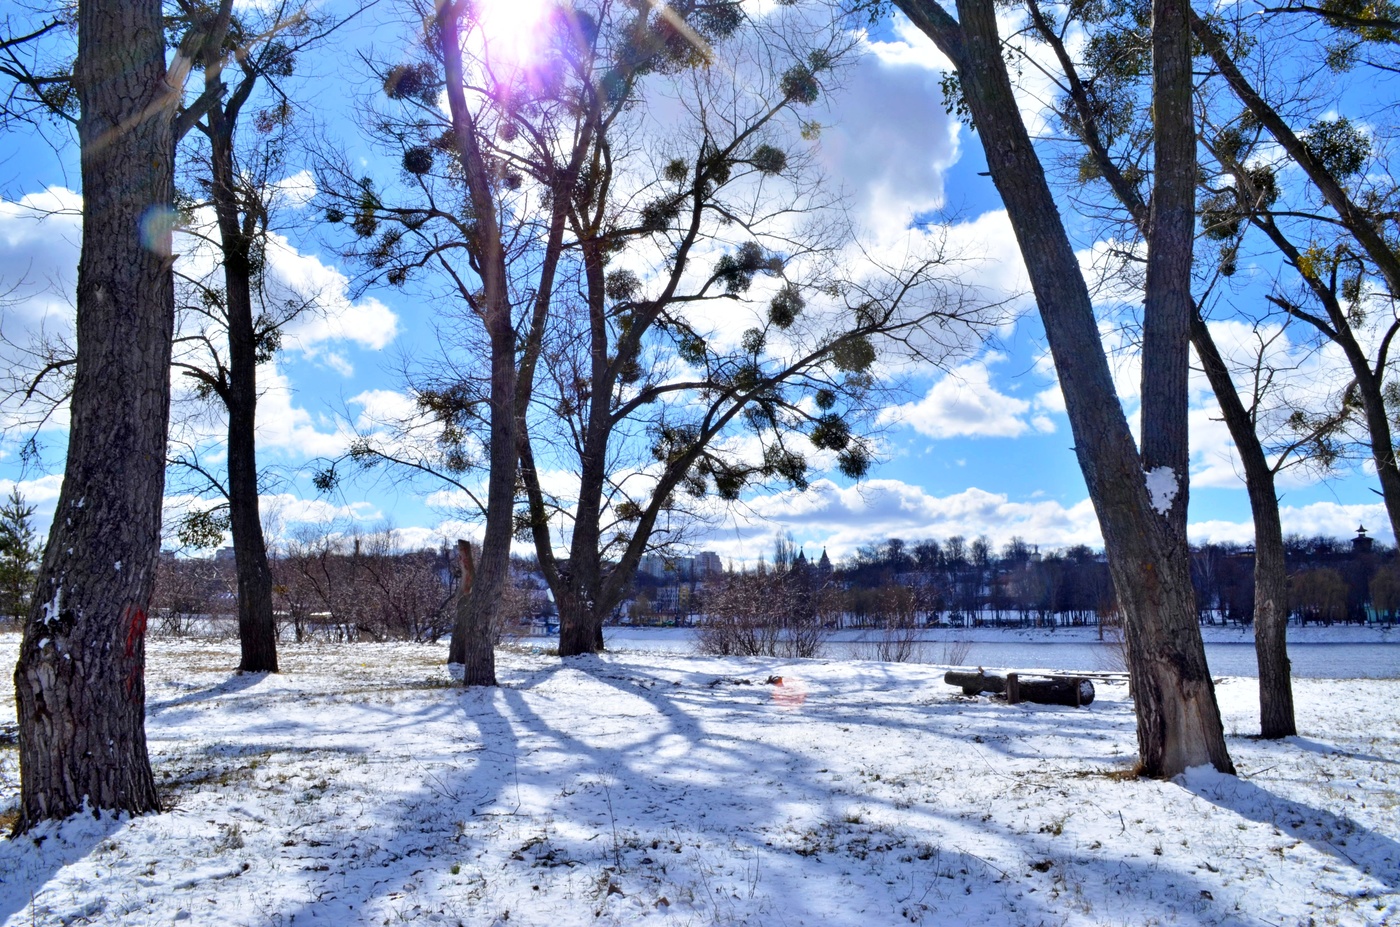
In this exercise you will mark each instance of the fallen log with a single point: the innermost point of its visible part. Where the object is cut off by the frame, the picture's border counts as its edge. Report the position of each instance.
(1041, 689)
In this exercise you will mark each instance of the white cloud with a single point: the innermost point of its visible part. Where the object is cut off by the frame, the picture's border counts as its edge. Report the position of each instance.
(40, 237)
(40, 492)
(892, 168)
(844, 519)
(337, 317)
(293, 510)
(964, 403)
(1330, 519)
(287, 427)
(379, 407)
(296, 191)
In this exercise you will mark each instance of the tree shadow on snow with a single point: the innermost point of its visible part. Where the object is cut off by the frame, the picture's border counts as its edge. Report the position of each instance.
(1336, 835)
(629, 790)
(603, 768)
(30, 862)
(1313, 746)
(237, 682)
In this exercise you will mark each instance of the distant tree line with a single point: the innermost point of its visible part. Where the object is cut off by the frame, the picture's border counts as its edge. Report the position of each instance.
(961, 583)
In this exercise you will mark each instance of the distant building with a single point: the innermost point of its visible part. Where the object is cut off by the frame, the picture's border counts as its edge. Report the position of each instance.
(707, 563)
(1361, 544)
(223, 555)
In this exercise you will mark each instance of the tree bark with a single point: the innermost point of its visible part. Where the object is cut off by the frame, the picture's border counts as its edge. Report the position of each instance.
(1044, 690)
(257, 625)
(1178, 720)
(472, 634)
(1276, 714)
(1270, 573)
(475, 655)
(1168, 305)
(79, 683)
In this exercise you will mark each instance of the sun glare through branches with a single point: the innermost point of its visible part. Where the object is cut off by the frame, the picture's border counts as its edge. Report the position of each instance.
(515, 32)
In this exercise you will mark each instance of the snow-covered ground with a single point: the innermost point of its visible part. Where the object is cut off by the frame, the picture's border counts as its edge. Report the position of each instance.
(360, 787)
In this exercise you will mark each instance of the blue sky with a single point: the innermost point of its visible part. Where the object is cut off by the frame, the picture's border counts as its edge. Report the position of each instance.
(981, 448)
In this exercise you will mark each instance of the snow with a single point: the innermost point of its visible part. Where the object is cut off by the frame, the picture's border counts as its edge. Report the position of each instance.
(360, 787)
(1162, 487)
(53, 607)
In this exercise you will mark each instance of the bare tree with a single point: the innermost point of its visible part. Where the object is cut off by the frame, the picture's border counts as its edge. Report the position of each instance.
(1178, 719)
(607, 357)
(239, 190)
(1094, 107)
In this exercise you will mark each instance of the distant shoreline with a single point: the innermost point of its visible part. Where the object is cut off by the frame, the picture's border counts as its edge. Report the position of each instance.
(1212, 634)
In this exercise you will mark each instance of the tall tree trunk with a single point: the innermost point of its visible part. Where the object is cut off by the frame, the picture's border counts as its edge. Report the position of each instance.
(585, 633)
(1270, 571)
(1270, 574)
(575, 628)
(473, 632)
(1178, 719)
(1168, 305)
(257, 626)
(80, 683)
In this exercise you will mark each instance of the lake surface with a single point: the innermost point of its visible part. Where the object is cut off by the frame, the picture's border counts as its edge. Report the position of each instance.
(1374, 660)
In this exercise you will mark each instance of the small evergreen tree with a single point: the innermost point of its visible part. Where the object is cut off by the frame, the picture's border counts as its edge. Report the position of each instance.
(19, 555)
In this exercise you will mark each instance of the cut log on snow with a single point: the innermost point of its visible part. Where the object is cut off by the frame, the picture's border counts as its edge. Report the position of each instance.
(1044, 690)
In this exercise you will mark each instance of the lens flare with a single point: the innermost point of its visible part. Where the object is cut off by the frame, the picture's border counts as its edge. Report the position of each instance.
(514, 31)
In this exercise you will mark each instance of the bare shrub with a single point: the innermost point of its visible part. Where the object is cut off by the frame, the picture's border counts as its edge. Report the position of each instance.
(765, 615)
(895, 638)
(956, 652)
(1113, 655)
(189, 596)
(346, 587)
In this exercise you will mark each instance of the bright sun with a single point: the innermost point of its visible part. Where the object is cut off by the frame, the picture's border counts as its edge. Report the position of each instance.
(511, 28)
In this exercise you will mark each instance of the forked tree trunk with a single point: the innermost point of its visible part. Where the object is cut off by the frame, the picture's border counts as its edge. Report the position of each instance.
(575, 629)
(80, 682)
(1270, 577)
(257, 625)
(1178, 720)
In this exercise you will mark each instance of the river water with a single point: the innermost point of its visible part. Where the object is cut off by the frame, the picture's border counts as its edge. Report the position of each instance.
(1373, 660)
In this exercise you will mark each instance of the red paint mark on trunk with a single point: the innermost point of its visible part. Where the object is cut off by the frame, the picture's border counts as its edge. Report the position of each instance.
(135, 628)
(135, 619)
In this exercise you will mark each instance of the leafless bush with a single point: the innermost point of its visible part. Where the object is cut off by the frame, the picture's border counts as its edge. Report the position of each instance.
(895, 638)
(1113, 654)
(956, 652)
(765, 615)
(347, 587)
(190, 596)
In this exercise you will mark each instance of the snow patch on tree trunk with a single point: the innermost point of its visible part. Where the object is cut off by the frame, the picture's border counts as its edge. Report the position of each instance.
(1162, 487)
